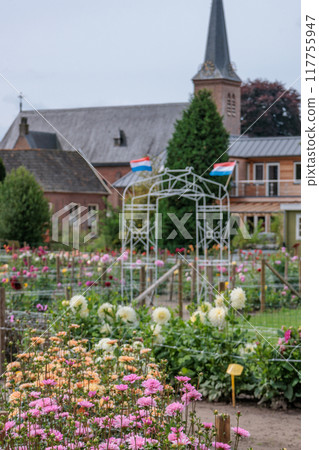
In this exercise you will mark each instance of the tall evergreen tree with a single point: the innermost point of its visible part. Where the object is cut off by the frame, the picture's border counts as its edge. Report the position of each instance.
(2, 171)
(198, 141)
(24, 211)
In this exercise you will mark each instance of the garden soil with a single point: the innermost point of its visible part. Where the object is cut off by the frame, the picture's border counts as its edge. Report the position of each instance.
(269, 429)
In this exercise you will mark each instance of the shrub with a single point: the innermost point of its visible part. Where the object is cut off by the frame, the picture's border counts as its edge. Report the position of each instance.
(24, 211)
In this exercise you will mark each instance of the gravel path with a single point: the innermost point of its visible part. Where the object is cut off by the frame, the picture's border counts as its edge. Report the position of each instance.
(269, 429)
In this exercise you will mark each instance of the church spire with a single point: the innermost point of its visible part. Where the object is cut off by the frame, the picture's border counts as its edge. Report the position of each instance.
(217, 75)
(217, 63)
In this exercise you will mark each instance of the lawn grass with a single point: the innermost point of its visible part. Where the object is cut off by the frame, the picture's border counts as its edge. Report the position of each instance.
(277, 318)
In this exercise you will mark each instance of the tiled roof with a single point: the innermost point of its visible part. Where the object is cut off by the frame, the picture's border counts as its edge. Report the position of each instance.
(55, 170)
(147, 130)
(263, 147)
(39, 139)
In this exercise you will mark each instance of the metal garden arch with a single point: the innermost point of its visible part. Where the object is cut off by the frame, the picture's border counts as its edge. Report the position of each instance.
(138, 230)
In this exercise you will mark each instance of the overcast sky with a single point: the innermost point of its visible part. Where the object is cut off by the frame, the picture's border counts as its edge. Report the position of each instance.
(73, 53)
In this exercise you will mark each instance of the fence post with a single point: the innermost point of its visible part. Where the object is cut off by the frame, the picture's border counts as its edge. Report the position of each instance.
(142, 281)
(58, 269)
(223, 428)
(180, 289)
(193, 280)
(263, 288)
(2, 327)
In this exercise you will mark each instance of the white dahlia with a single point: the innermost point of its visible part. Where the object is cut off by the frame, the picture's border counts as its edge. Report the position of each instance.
(200, 314)
(237, 298)
(105, 311)
(105, 329)
(127, 314)
(104, 344)
(205, 307)
(78, 303)
(219, 301)
(156, 329)
(217, 316)
(161, 315)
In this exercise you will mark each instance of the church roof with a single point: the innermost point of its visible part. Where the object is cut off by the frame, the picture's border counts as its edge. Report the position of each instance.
(55, 170)
(217, 63)
(114, 134)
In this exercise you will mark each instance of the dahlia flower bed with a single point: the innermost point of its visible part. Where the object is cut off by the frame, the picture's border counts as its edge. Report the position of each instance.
(62, 395)
(36, 269)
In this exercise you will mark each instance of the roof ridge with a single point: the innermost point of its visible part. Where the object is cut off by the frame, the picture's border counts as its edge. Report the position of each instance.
(86, 108)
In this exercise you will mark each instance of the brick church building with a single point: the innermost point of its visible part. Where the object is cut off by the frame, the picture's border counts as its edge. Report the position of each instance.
(266, 180)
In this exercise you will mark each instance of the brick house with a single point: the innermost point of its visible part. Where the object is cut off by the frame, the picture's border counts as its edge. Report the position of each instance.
(64, 176)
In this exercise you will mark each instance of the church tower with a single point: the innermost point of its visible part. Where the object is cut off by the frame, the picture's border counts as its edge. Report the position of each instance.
(217, 74)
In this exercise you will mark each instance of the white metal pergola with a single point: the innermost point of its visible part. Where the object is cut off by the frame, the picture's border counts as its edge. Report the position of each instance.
(141, 223)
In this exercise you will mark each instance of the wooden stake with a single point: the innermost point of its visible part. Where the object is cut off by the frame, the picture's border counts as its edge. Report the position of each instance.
(233, 276)
(210, 282)
(180, 289)
(263, 287)
(223, 428)
(171, 288)
(286, 269)
(299, 267)
(221, 286)
(58, 269)
(2, 327)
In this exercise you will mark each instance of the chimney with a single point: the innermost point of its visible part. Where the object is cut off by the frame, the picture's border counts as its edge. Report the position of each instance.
(24, 126)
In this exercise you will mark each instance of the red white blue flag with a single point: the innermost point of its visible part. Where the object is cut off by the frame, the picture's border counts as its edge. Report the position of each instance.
(223, 169)
(141, 164)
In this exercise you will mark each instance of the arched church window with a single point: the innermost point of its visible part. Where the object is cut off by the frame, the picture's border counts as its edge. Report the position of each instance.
(229, 105)
(233, 105)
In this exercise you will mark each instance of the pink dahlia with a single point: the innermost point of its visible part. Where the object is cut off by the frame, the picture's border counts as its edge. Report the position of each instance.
(241, 432)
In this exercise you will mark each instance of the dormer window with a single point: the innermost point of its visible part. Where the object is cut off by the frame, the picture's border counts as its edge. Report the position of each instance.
(120, 140)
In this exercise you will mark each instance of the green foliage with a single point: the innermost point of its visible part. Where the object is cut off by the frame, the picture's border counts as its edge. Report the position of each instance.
(239, 241)
(198, 141)
(2, 171)
(279, 379)
(24, 211)
(110, 227)
(282, 119)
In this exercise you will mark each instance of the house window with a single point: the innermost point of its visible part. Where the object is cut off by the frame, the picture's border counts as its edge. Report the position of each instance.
(229, 105)
(259, 172)
(297, 172)
(250, 224)
(261, 223)
(298, 227)
(247, 171)
(93, 218)
(73, 213)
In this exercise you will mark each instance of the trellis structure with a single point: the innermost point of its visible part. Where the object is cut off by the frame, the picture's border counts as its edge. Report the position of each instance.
(141, 223)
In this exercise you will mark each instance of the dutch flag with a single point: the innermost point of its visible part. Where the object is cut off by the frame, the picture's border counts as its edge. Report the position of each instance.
(223, 169)
(141, 164)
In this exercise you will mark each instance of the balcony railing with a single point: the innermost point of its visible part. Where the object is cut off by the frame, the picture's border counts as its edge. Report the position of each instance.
(265, 188)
